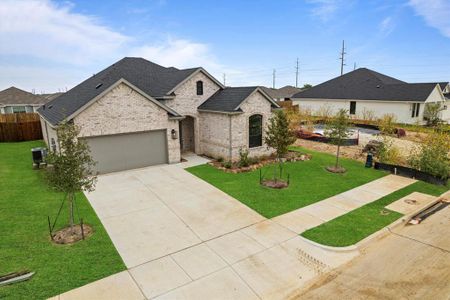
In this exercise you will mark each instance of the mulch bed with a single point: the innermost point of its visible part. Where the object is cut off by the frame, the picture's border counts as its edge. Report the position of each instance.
(66, 236)
(275, 184)
(333, 169)
(291, 156)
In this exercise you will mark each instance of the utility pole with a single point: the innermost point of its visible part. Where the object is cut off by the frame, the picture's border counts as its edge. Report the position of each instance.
(273, 78)
(296, 74)
(354, 66)
(224, 79)
(342, 58)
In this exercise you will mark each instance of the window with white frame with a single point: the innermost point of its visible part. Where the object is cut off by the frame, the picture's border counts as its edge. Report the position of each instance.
(415, 110)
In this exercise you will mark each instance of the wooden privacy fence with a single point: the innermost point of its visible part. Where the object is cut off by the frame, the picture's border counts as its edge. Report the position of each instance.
(20, 127)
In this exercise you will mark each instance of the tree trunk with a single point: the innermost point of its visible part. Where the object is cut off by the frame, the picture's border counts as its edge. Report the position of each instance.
(280, 165)
(337, 156)
(71, 212)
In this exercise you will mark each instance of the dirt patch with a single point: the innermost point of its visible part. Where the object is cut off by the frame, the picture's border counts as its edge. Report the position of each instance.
(67, 236)
(275, 184)
(352, 152)
(334, 169)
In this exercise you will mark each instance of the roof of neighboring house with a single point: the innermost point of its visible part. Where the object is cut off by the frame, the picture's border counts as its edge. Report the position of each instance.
(154, 80)
(443, 85)
(51, 96)
(230, 98)
(285, 92)
(365, 84)
(15, 96)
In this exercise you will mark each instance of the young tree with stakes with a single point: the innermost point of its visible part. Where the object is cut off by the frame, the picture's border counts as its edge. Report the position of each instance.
(279, 136)
(70, 168)
(337, 129)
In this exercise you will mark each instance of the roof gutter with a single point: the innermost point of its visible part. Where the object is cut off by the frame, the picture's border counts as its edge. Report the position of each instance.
(221, 112)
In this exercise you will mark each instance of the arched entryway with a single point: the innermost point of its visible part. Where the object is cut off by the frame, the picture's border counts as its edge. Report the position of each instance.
(187, 134)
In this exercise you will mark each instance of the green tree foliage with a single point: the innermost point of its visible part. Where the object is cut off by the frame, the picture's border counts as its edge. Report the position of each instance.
(71, 167)
(432, 156)
(306, 86)
(338, 129)
(279, 136)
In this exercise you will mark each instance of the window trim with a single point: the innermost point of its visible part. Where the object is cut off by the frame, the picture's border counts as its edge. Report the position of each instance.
(255, 141)
(415, 110)
(199, 86)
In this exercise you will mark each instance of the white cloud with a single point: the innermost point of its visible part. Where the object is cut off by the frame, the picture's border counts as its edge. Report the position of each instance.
(179, 53)
(49, 34)
(325, 9)
(42, 29)
(435, 12)
(386, 26)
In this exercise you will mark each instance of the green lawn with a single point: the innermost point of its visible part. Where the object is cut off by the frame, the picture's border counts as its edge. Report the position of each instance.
(354, 226)
(310, 182)
(25, 203)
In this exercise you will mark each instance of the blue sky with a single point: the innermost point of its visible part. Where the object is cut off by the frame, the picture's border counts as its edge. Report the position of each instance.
(52, 45)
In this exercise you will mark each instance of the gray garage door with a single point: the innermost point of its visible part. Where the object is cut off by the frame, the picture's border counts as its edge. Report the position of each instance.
(128, 151)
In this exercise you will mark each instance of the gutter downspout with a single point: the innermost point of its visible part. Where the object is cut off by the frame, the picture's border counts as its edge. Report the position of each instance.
(230, 137)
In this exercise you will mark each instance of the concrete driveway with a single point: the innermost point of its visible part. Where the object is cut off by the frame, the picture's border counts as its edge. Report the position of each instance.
(153, 212)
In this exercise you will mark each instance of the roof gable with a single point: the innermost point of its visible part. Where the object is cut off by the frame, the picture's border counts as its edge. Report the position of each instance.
(154, 80)
(15, 96)
(229, 100)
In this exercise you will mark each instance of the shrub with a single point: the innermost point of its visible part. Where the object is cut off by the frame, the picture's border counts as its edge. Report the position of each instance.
(325, 112)
(388, 153)
(368, 116)
(243, 158)
(432, 156)
(432, 113)
(387, 123)
(253, 160)
(227, 164)
(220, 159)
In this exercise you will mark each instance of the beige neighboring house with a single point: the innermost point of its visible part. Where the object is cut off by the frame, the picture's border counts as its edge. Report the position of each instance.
(14, 100)
(136, 113)
(365, 92)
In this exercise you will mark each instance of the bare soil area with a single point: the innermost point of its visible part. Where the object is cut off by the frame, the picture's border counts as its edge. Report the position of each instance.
(67, 236)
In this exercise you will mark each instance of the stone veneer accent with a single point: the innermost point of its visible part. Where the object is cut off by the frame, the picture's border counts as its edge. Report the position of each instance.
(215, 134)
(187, 101)
(124, 110)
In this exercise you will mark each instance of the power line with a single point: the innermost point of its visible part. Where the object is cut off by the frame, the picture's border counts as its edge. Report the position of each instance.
(342, 58)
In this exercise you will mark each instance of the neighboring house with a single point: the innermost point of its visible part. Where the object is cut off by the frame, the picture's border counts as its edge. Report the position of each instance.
(282, 94)
(136, 113)
(14, 100)
(365, 92)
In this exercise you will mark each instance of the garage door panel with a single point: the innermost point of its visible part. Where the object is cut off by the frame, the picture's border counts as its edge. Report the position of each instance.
(128, 151)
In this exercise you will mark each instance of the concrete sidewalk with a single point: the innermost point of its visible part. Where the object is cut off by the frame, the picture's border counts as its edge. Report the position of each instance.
(323, 211)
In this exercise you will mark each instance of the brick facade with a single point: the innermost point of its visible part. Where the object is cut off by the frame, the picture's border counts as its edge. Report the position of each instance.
(124, 110)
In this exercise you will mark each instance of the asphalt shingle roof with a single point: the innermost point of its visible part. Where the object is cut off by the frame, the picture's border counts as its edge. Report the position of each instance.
(365, 84)
(228, 99)
(17, 96)
(153, 79)
(285, 92)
